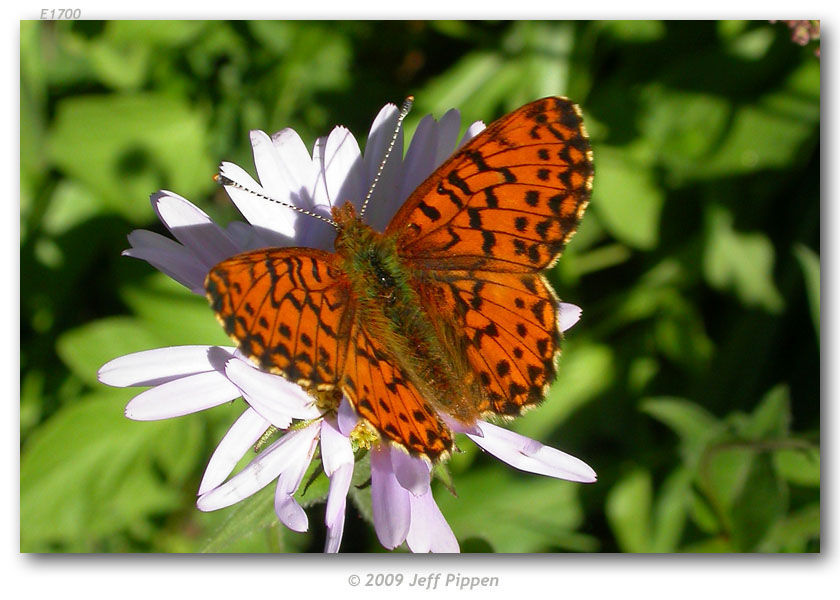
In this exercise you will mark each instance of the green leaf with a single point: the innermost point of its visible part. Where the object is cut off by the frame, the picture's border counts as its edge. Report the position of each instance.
(456, 87)
(33, 119)
(542, 50)
(576, 264)
(173, 313)
(71, 205)
(628, 510)
(124, 147)
(761, 503)
(515, 513)
(452, 28)
(702, 514)
(31, 400)
(531, 61)
(584, 372)
(248, 517)
(443, 474)
(771, 418)
(716, 545)
(156, 34)
(770, 133)
(314, 487)
(120, 66)
(799, 466)
(692, 423)
(635, 31)
(683, 128)
(740, 262)
(90, 472)
(626, 198)
(641, 372)
(680, 332)
(671, 510)
(724, 473)
(360, 487)
(793, 533)
(809, 261)
(754, 44)
(88, 347)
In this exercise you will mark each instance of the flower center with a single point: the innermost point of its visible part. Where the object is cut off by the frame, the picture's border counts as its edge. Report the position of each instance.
(363, 436)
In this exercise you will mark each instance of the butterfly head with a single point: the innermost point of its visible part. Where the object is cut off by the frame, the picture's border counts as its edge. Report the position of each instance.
(344, 215)
(353, 236)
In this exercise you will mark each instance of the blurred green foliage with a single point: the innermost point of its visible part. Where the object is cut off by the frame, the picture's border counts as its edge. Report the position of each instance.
(691, 384)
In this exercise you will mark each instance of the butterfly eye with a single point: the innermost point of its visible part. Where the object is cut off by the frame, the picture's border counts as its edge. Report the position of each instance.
(386, 279)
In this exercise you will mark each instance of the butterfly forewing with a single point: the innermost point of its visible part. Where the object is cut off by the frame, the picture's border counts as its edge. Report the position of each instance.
(508, 201)
(289, 310)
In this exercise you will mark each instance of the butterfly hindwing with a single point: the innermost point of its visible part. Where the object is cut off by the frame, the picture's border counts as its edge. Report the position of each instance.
(289, 310)
(508, 201)
(508, 327)
(383, 394)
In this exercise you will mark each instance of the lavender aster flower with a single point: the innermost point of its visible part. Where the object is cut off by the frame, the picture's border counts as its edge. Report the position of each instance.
(188, 379)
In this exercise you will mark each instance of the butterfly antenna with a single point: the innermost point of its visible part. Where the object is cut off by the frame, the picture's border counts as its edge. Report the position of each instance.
(222, 180)
(406, 107)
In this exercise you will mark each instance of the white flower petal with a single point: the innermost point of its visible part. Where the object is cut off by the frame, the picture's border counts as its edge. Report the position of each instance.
(390, 502)
(287, 173)
(337, 497)
(242, 435)
(411, 472)
(420, 158)
(567, 315)
(459, 427)
(346, 417)
(169, 257)
(287, 508)
(141, 238)
(291, 477)
(246, 236)
(384, 202)
(273, 174)
(472, 131)
(295, 166)
(290, 512)
(336, 450)
(530, 455)
(153, 367)
(274, 222)
(316, 233)
(379, 136)
(344, 168)
(192, 227)
(448, 127)
(274, 397)
(429, 531)
(182, 396)
(336, 506)
(320, 197)
(259, 473)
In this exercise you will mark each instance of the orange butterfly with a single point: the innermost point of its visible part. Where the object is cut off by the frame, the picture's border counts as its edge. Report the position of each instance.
(447, 311)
